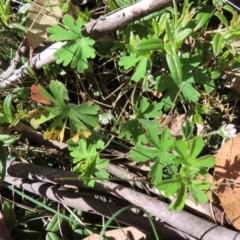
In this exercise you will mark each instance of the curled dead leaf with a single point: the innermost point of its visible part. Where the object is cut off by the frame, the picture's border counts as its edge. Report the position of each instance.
(174, 123)
(227, 179)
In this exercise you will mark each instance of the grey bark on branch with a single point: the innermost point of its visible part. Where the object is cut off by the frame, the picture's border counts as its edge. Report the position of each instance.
(191, 225)
(96, 28)
(123, 17)
(45, 185)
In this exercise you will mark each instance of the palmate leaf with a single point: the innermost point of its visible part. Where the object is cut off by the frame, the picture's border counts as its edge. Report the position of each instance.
(140, 51)
(133, 131)
(83, 52)
(80, 117)
(78, 50)
(134, 128)
(83, 150)
(89, 164)
(159, 153)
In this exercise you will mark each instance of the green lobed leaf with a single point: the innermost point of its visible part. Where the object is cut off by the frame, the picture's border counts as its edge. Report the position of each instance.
(9, 139)
(83, 151)
(55, 223)
(147, 110)
(153, 44)
(188, 129)
(75, 27)
(164, 159)
(172, 188)
(78, 50)
(65, 54)
(128, 61)
(166, 140)
(179, 160)
(60, 34)
(143, 154)
(163, 185)
(84, 51)
(8, 213)
(45, 116)
(141, 69)
(52, 236)
(133, 131)
(203, 185)
(197, 194)
(203, 17)
(182, 35)
(103, 163)
(181, 148)
(156, 172)
(7, 107)
(174, 64)
(169, 31)
(196, 147)
(222, 18)
(204, 161)
(80, 117)
(88, 116)
(152, 136)
(179, 201)
(169, 98)
(60, 93)
(89, 167)
(160, 26)
(164, 82)
(189, 92)
(218, 44)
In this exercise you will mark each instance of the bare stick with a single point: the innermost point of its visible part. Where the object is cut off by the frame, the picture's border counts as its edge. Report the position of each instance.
(184, 221)
(90, 204)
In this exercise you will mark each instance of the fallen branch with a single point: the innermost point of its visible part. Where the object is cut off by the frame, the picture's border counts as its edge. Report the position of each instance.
(43, 58)
(183, 221)
(123, 17)
(95, 29)
(20, 52)
(90, 204)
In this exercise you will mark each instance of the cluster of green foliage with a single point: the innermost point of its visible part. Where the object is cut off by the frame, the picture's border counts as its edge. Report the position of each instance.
(176, 41)
(169, 53)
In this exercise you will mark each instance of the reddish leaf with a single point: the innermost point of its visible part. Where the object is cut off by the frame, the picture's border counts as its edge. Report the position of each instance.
(39, 94)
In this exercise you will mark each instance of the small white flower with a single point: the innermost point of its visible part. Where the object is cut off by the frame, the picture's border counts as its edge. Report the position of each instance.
(105, 118)
(228, 131)
(151, 77)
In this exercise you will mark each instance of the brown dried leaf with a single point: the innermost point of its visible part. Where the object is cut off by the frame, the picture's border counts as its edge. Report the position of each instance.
(42, 15)
(121, 234)
(173, 123)
(227, 179)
